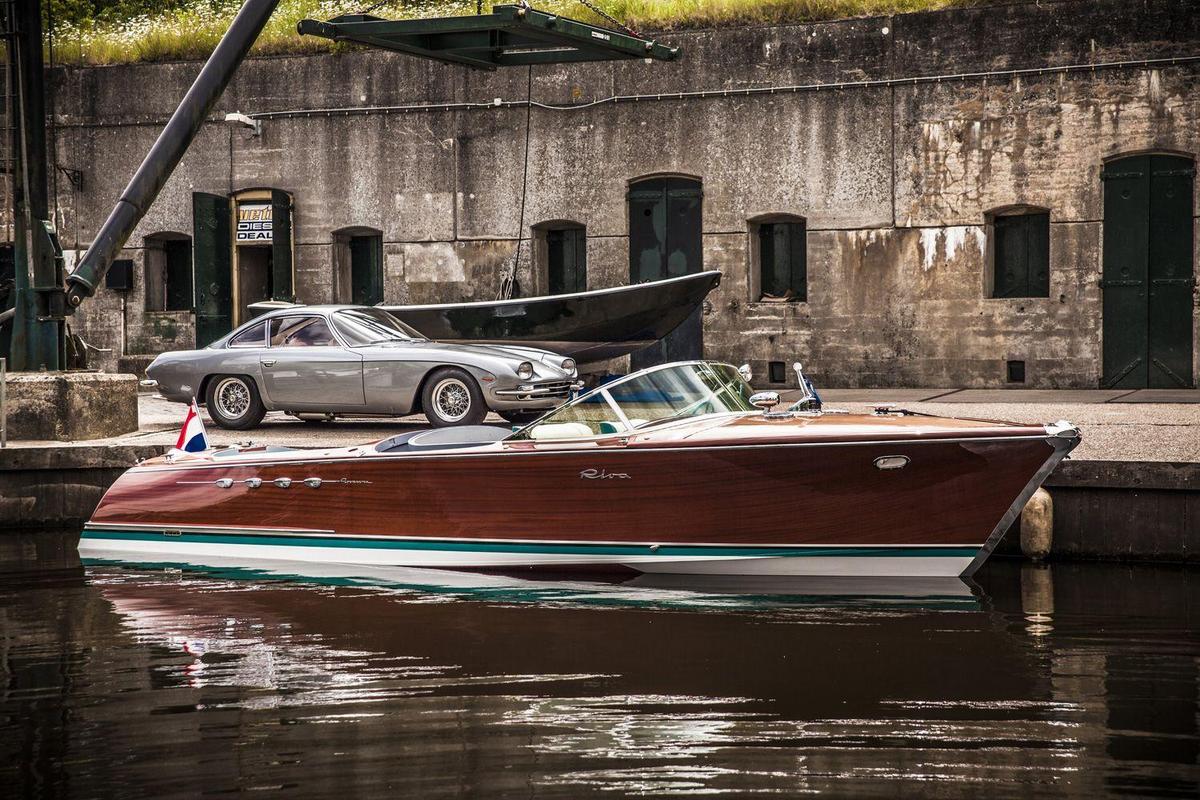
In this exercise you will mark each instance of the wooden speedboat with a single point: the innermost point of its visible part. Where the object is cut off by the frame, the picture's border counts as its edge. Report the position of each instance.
(677, 468)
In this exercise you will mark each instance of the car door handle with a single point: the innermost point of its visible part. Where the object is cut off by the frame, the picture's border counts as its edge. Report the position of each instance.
(268, 362)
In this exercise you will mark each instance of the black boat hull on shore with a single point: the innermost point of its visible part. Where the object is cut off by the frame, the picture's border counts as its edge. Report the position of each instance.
(587, 326)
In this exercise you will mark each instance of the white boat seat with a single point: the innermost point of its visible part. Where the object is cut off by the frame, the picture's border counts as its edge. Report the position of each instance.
(560, 430)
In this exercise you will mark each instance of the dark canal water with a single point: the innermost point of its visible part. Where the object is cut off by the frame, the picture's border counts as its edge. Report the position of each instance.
(1080, 680)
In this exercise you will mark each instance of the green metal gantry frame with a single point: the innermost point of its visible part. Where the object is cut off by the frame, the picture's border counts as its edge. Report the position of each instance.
(512, 35)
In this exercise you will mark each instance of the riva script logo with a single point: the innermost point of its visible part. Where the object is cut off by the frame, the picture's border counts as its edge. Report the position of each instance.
(602, 474)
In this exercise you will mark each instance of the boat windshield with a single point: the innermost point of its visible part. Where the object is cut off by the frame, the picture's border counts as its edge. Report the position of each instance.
(646, 398)
(361, 326)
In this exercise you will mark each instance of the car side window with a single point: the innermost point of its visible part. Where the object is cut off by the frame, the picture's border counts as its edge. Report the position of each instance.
(254, 336)
(300, 332)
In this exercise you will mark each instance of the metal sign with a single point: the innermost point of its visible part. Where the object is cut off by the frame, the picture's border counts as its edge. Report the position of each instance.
(254, 223)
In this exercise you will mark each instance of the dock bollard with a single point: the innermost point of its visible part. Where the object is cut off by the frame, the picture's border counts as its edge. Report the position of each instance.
(1037, 525)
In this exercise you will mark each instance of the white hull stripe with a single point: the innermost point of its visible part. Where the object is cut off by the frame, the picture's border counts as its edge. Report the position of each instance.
(573, 549)
(202, 553)
(172, 530)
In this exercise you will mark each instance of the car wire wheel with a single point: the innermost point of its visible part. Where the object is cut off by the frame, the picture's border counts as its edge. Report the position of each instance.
(233, 402)
(452, 399)
(232, 398)
(451, 396)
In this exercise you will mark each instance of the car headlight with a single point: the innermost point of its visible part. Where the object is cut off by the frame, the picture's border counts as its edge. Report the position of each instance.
(568, 366)
(525, 370)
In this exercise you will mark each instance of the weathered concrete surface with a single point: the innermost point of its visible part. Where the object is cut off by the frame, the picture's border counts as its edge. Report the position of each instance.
(56, 485)
(1136, 511)
(70, 406)
(895, 181)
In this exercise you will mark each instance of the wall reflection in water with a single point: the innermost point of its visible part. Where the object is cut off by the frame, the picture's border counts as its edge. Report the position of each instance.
(1078, 679)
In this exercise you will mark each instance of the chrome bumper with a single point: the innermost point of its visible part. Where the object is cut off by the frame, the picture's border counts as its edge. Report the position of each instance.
(555, 389)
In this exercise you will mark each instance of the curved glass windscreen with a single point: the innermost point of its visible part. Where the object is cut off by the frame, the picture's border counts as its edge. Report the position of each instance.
(644, 399)
(362, 326)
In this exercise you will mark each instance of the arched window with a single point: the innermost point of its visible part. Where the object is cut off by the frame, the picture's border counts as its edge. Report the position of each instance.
(358, 266)
(779, 258)
(560, 257)
(1019, 250)
(167, 263)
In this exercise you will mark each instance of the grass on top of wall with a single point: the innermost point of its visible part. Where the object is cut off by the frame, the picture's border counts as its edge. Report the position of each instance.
(125, 31)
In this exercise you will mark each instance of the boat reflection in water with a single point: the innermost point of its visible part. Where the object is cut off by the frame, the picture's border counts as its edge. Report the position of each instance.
(159, 681)
(644, 590)
(679, 468)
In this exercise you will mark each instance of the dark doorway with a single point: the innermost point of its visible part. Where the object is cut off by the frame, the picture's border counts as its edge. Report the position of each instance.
(1148, 271)
(665, 242)
(248, 235)
(566, 260)
(255, 278)
(168, 272)
(366, 269)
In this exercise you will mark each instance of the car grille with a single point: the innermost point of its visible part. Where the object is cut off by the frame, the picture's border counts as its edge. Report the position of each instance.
(554, 388)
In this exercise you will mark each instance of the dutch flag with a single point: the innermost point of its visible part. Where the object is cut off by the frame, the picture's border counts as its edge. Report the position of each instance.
(192, 438)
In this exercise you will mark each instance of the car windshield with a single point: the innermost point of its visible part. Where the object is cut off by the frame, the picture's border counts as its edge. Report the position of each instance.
(673, 392)
(361, 326)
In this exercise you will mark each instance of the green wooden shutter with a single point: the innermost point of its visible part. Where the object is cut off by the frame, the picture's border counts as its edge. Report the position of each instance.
(665, 240)
(1022, 256)
(798, 260)
(211, 259)
(579, 237)
(1037, 238)
(178, 255)
(647, 231)
(684, 253)
(566, 260)
(1126, 250)
(1170, 271)
(768, 260)
(282, 285)
(366, 270)
(1011, 257)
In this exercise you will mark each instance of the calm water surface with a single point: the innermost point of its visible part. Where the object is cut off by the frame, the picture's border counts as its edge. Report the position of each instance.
(158, 681)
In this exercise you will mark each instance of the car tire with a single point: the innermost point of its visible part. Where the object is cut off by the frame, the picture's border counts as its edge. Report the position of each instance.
(233, 402)
(451, 397)
(522, 417)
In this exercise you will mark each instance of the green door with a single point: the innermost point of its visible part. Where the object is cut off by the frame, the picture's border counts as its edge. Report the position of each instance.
(282, 286)
(1148, 272)
(212, 243)
(366, 270)
(665, 241)
(566, 260)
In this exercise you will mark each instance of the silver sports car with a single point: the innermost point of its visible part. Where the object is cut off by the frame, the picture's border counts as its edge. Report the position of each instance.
(358, 360)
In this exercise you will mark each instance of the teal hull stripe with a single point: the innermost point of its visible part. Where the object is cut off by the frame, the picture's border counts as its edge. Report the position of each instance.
(276, 540)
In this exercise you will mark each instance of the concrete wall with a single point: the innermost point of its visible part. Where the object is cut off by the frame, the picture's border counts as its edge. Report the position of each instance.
(894, 178)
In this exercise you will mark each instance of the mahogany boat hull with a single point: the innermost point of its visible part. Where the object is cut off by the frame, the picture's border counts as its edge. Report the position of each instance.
(790, 505)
